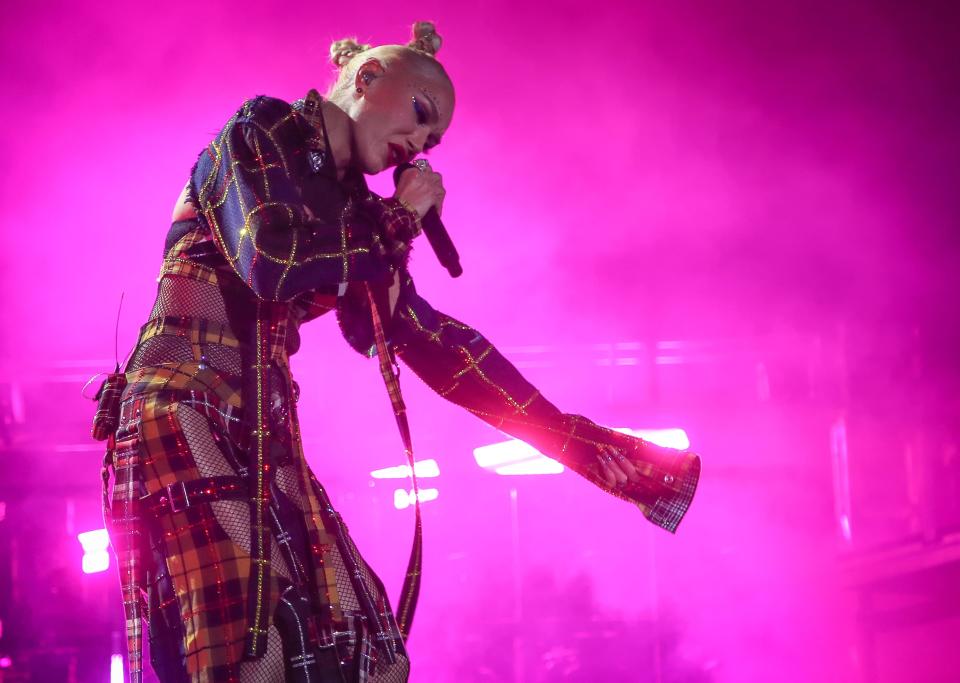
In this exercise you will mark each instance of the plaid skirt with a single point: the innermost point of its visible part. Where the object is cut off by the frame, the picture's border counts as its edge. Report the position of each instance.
(180, 523)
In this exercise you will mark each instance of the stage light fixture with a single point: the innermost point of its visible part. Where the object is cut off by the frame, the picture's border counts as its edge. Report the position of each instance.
(514, 457)
(403, 499)
(668, 438)
(96, 558)
(425, 469)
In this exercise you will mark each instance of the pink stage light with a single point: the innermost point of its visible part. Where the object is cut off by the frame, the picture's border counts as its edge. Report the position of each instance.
(116, 669)
(425, 469)
(95, 555)
(515, 457)
(5, 662)
(403, 499)
(668, 438)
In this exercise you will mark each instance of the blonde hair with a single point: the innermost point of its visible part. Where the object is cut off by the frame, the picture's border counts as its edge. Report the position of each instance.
(423, 47)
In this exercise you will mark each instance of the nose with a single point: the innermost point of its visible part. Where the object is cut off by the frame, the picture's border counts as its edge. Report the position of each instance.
(416, 142)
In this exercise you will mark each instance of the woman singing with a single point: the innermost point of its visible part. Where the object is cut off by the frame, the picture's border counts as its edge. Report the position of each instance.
(230, 551)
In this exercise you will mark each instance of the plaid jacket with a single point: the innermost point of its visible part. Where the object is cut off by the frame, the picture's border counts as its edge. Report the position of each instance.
(281, 232)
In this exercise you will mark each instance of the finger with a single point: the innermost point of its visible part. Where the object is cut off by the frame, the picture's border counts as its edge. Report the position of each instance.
(609, 459)
(619, 474)
(608, 477)
(603, 462)
(409, 176)
(622, 465)
(633, 474)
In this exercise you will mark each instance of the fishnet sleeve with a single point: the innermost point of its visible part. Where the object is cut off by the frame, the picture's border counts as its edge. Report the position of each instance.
(248, 185)
(461, 365)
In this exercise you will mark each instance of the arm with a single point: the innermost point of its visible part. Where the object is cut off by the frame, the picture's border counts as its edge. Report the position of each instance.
(250, 185)
(460, 364)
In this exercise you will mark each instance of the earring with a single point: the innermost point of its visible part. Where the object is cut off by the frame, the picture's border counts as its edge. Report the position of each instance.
(359, 90)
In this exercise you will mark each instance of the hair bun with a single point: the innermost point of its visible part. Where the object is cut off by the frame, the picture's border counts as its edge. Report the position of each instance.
(342, 51)
(425, 38)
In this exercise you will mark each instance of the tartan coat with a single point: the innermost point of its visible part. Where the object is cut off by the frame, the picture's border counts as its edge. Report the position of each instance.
(283, 241)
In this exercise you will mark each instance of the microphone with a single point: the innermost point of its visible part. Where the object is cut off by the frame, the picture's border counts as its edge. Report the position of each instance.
(436, 234)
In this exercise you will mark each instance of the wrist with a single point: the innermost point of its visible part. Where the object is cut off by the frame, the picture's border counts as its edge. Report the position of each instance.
(409, 207)
(400, 225)
(400, 220)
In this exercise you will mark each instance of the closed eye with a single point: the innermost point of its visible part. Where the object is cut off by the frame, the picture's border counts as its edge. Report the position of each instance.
(420, 112)
(423, 117)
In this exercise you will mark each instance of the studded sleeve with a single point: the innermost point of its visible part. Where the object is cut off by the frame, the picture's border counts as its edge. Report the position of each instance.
(249, 186)
(461, 365)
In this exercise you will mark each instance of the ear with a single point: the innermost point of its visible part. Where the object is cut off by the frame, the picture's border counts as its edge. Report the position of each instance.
(367, 73)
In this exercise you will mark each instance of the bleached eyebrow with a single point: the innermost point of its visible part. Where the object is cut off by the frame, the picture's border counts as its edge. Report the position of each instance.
(433, 102)
(432, 141)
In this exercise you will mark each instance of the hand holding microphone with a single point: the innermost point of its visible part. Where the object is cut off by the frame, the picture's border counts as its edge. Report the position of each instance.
(421, 188)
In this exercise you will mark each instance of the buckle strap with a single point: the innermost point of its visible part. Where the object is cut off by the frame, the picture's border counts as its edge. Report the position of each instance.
(180, 495)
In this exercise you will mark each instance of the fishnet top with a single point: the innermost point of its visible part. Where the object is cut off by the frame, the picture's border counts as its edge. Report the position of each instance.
(198, 321)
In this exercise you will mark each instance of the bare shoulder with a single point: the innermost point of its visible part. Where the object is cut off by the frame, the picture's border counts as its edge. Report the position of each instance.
(184, 208)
